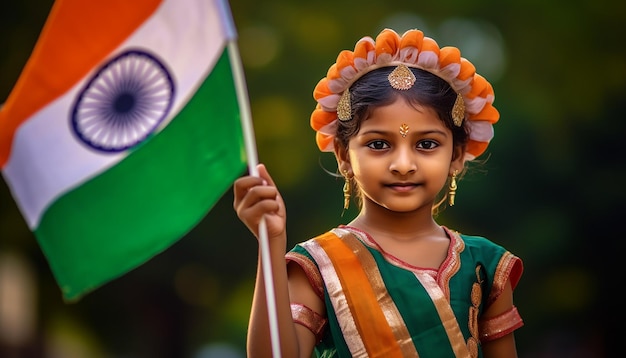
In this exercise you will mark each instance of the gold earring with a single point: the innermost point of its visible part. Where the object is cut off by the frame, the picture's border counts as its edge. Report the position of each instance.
(453, 187)
(347, 189)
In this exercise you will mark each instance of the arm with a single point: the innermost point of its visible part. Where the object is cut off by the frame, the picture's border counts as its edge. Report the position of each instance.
(502, 347)
(257, 197)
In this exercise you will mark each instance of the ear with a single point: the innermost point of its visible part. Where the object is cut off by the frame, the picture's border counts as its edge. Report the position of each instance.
(342, 157)
(458, 159)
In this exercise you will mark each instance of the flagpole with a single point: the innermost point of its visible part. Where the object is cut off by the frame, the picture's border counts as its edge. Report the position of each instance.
(248, 134)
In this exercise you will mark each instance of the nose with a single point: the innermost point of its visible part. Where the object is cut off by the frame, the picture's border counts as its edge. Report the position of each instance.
(403, 161)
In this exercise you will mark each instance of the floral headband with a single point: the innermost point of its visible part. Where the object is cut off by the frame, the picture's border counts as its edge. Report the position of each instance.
(412, 49)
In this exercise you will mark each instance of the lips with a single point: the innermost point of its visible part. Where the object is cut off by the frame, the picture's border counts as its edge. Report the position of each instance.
(402, 187)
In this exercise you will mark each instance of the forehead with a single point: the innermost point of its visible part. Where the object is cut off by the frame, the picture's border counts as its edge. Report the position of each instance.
(401, 112)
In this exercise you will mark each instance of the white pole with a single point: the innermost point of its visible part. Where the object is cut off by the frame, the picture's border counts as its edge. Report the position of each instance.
(248, 134)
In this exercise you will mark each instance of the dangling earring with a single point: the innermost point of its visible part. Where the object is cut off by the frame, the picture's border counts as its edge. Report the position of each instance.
(453, 187)
(347, 189)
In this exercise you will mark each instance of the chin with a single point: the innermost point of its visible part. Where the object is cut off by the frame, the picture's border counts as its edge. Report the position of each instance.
(401, 208)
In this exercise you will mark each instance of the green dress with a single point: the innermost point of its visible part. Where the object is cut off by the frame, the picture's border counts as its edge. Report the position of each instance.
(380, 306)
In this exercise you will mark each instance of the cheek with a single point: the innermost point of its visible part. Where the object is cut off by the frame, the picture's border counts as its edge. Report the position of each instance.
(437, 169)
(442, 176)
(353, 158)
(360, 165)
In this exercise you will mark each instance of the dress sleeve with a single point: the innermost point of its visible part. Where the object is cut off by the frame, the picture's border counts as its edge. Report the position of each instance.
(509, 268)
(310, 269)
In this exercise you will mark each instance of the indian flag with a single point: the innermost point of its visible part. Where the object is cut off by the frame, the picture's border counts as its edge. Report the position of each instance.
(122, 132)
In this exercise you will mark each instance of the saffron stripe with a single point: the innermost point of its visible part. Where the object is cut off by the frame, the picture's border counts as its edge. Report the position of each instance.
(394, 319)
(338, 300)
(378, 339)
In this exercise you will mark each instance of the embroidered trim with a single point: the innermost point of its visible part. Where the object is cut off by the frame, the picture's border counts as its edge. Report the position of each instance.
(452, 263)
(510, 267)
(501, 325)
(450, 266)
(310, 319)
(310, 270)
(476, 297)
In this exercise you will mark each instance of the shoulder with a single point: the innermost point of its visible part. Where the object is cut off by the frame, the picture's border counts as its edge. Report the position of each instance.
(302, 254)
(310, 244)
(481, 243)
(476, 243)
(494, 256)
(302, 251)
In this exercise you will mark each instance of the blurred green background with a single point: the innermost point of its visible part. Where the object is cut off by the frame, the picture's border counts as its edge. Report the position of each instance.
(550, 191)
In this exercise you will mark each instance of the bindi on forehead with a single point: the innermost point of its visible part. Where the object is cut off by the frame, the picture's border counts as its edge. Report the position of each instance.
(404, 130)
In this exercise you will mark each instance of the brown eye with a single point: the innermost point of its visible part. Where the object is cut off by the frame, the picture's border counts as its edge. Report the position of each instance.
(427, 144)
(378, 145)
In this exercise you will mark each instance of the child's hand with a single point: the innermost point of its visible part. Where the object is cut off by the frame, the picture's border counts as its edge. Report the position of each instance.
(256, 197)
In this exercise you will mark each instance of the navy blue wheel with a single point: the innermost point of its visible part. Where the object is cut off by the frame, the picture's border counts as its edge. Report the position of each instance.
(123, 102)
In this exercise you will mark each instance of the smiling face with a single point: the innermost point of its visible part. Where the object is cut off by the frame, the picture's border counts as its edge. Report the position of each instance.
(401, 157)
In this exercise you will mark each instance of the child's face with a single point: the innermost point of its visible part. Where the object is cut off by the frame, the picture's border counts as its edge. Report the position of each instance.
(401, 157)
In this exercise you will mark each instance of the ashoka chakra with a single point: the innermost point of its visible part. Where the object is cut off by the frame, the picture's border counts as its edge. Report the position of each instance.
(123, 102)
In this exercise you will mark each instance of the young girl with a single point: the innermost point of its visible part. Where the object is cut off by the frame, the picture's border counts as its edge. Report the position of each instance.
(402, 117)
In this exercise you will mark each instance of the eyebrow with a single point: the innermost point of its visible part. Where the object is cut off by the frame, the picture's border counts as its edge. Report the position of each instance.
(385, 132)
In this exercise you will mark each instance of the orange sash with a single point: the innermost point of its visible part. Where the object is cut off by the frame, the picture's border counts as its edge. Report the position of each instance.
(373, 325)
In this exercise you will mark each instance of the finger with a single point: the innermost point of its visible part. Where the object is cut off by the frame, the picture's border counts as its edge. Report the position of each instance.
(259, 193)
(254, 195)
(259, 209)
(243, 185)
(263, 173)
(251, 215)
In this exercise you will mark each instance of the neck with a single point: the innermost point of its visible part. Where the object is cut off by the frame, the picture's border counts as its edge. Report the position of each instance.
(377, 220)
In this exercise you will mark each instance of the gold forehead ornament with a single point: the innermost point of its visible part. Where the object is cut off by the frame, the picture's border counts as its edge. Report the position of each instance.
(458, 110)
(344, 107)
(401, 78)
(404, 130)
